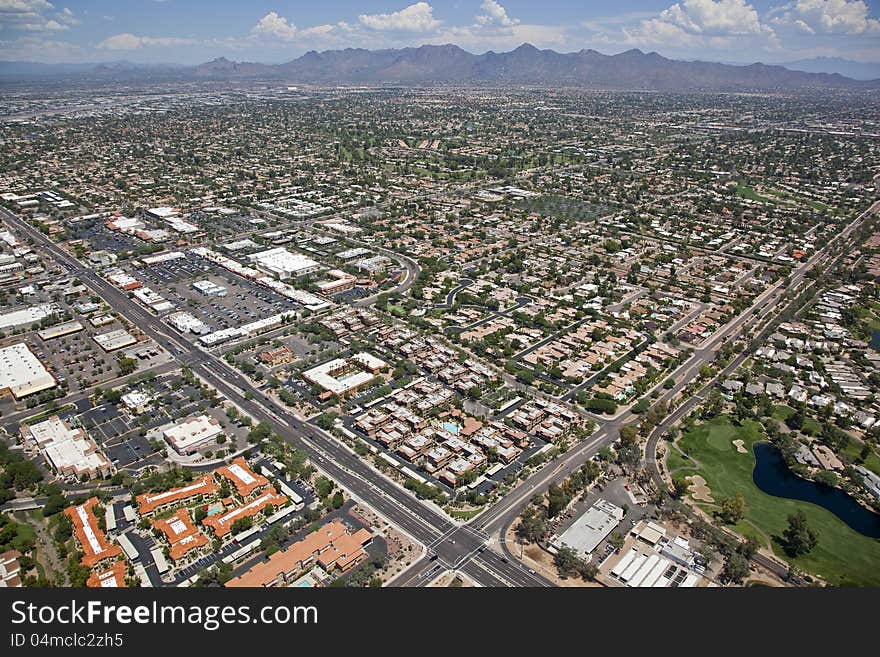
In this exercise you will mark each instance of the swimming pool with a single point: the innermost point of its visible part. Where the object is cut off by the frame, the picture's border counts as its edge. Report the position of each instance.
(451, 427)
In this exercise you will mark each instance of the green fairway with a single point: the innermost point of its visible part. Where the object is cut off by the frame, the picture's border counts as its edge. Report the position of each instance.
(675, 461)
(744, 191)
(843, 556)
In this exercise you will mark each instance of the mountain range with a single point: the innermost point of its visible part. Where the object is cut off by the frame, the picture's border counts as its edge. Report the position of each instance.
(451, 65)
(846, 67)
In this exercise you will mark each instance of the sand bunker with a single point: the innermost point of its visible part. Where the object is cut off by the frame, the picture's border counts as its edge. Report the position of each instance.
(699, 490)
(740, 446)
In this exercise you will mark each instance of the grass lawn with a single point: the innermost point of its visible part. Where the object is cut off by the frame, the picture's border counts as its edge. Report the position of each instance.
(873, 460)
(464, 514)
(745, 191)
(811, 427)
(843, 556)
(675, 461)
(400, 311)
(782, 412)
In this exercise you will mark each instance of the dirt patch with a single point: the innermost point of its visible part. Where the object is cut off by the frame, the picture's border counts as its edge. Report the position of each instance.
(451, 579)
(740, 446)
(402, 551)
(699, 490)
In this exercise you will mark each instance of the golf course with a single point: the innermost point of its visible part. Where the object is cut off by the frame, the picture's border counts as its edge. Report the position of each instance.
(842, 557)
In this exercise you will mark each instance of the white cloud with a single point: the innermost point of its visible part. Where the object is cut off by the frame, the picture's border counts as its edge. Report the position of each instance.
(32, 16)
(844, 17)
(418, 17)
(128, 41)
(274, 26)
(67, 17)
(37, 49)
(722, 25)
(495, 15)
(710, 18)
(23, 6)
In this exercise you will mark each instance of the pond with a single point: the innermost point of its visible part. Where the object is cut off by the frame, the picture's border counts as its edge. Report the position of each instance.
(774, 477)
(875, 340)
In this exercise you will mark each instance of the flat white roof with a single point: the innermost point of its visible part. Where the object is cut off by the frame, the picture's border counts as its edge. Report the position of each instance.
(282, 261)
(21, 372)
(65, 447)
(27, 315)
(193, 431)
(241, 474)
(88, 530)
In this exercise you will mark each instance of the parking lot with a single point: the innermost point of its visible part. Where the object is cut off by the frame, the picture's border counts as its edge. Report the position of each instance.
(101, 238)
(124, 436)
(78, 358)
(244, 302)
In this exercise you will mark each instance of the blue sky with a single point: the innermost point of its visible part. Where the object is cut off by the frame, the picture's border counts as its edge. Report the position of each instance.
(192, 31)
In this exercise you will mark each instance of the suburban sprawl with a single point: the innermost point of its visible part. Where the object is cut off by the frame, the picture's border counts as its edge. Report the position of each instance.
(256, 334)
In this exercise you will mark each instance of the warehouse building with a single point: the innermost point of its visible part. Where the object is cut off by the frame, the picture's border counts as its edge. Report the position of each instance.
(27, 316)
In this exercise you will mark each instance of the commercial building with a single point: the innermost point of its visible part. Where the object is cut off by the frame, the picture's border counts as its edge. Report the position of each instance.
(209, 288)
(186, 323)
(282, 263)
(333, 547)
(22, 373)
(67, 450)
(114, 340)
(340, 281)
(162, 213)
(27, 316)
(204, 487)
(342, 376)
(60, 330)
(585, 533)
(95, 546)
(374, 265)
(640, 569)
(192, 434)
(274, 357)
(136, 402)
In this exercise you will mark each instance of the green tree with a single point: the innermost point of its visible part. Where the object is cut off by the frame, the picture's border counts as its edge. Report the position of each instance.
(736, 568)
(557, 500)
(532, 526)
(569, 564)
(733, 509)
(799, 537)
(127, 366)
